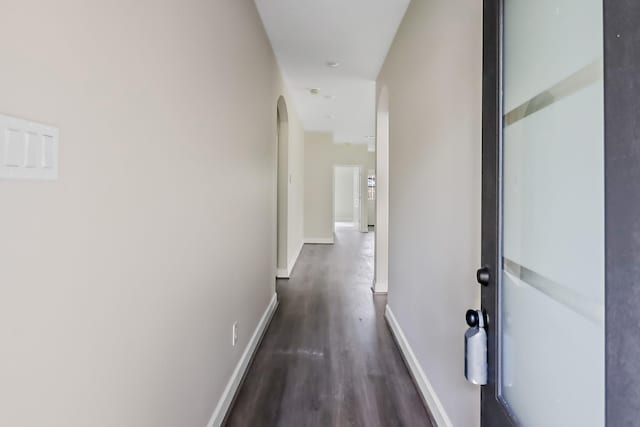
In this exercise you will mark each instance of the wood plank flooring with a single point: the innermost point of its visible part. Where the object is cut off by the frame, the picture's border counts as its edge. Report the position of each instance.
(328, 358)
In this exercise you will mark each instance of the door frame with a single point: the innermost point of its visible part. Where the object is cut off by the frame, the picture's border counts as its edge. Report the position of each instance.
(493, 413)
(282, 189)
(622, 210)
(622, 207)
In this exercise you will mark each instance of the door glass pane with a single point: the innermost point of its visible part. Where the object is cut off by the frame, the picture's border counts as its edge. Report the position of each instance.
(552, 290)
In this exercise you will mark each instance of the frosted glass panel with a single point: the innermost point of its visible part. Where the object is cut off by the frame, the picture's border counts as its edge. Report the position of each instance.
(546, 41)
(552, 298)
(554, 192)
(553, 360)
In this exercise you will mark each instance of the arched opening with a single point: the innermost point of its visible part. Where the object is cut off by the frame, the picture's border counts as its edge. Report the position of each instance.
(282, 187)
(381, 280)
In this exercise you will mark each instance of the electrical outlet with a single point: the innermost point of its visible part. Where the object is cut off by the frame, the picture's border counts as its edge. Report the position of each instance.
(234, 338)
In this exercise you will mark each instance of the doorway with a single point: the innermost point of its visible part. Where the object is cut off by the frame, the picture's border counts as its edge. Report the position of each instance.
(282, 187)
(347, 197)
(371, 197)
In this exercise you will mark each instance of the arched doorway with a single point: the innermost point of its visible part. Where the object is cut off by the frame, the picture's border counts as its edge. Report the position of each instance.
(381, 281)
(282, 118)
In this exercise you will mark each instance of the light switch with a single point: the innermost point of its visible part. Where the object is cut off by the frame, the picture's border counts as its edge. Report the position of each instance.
(28, 150)
(34, 150)
(47, 151)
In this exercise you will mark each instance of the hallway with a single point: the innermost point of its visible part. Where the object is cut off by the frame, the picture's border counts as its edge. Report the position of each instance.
(328, 357)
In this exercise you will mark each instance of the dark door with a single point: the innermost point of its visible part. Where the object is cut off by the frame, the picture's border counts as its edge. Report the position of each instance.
(543, 225)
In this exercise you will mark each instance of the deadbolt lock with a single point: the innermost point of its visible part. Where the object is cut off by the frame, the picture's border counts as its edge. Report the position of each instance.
(483, 275)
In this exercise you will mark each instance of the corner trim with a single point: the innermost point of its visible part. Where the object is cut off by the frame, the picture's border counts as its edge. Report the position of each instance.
(318, 240)
(282, 273)
(229, 393)
(424, 386)
(380, 288)
(293, 262)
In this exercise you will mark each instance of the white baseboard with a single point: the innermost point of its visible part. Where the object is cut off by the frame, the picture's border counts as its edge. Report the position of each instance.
(243, 364)
(318, 240)
(282, 273)
(424, 386)
(380, 288)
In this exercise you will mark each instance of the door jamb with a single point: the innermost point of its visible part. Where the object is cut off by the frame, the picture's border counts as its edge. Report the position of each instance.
(492, 113)
(622, 211)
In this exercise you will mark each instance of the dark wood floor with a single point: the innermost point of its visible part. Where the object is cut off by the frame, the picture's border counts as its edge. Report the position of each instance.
(328, 358)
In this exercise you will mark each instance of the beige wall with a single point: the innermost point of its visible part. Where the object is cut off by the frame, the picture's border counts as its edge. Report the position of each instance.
(433, 75)
(121, 280)
(321, 155)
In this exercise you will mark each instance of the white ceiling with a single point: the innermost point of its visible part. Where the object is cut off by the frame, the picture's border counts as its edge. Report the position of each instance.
(306, 34)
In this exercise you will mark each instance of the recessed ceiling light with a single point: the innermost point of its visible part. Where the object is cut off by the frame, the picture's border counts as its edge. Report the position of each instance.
(332, 64)
(314, 91)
